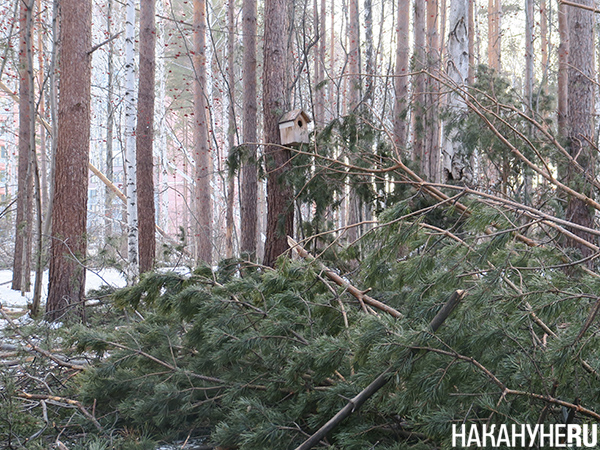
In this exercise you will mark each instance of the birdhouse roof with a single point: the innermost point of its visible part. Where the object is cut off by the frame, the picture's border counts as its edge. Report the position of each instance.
(291, 116)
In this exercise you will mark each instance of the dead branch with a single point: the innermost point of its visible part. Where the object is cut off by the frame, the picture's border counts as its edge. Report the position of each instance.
(54, 358)
(578, 5)
(67, 401)
(357, 293)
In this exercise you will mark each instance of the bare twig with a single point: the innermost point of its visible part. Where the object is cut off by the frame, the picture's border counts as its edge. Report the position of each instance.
(67, 401)
(55, 358)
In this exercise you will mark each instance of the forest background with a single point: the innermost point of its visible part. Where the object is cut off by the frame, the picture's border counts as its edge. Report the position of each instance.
(310, 202)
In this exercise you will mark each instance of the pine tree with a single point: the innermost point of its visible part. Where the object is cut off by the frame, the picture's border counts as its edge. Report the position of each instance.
(280, 216)
(69, 212)
(203, 211)
(145, 136)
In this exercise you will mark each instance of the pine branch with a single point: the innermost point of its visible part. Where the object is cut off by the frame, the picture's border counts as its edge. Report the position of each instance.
(355, 403)
(361, 296)
(506, 391)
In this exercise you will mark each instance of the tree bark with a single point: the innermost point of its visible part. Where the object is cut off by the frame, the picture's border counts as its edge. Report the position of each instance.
(249, 194)
(402, 71)
(145, 137)
(231, 129)
(544, 36)
(130, 158)
(494, 34)
(431, 161)
(529, 24)
(419, 81)
(22, 253)
(580, 104)
(456, 163)
(563, 68)
(319, 92)
(280, 207)
(471, 31)
(203, 171)
(69, 212)
(160, 121)
(353, 55)
(108, 193)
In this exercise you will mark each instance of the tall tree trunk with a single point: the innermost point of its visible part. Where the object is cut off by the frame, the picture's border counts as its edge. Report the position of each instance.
(431, 166)
(353, 55)
(22, 255)
(231, 128)
(280, 206)
(494, 34)
(544, 37)
(369, 54)
(130, 159)
(528, 84)
(159, 120)
(42, 105)
(402, 71)
(37, 188)
(108, 193)
(319, 92)
(456, 163)
(580, 113)
(69, 212)
(471, 30)
(145, 136)
(203, 171)
(249, 192)
(563, 68)
(419, 80)
(354, 81)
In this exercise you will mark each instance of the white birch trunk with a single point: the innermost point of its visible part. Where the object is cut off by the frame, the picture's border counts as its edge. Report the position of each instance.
(160, 139)
(456, 163)
(130, 124)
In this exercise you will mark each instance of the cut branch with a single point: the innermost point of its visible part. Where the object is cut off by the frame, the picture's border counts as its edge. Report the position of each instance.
(361, 296)
(68, 401)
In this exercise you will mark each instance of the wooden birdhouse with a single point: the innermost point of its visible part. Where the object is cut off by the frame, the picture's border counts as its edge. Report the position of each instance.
(293, 127)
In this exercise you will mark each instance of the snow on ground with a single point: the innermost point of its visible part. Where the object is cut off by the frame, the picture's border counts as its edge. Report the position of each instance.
(94, 279)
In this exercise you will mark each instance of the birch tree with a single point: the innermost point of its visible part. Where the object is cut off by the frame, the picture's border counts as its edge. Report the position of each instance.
(455, 162)
(130, 159)
(159, 118)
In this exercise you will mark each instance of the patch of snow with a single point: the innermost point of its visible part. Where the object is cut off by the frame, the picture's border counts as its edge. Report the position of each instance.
(13, 300)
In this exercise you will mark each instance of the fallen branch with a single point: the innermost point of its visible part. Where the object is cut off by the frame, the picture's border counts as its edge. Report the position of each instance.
(355, 403)
(68, 401)
(55, 358)
(361, 296)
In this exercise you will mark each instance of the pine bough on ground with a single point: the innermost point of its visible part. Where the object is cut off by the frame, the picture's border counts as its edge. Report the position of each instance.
(261, 360)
